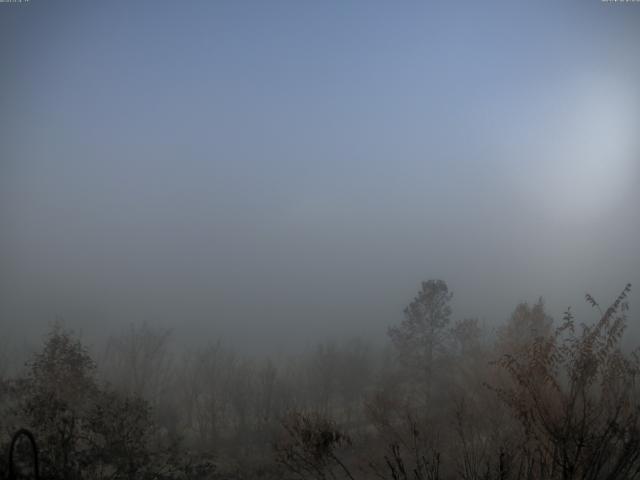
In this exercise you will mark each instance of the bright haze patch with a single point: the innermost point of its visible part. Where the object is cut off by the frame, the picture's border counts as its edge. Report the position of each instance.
(587, 144)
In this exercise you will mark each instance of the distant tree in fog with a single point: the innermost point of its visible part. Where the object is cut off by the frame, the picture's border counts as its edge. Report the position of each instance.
(424, 331)
(138, 361)
(354, 376)
(525, 325)
(323, 376)
(205, 383)
(466, 335)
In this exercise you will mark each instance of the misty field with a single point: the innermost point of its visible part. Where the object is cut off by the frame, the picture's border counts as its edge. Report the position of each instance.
(533, 399)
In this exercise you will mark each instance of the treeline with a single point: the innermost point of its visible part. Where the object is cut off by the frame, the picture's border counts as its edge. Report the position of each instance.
(446, 399)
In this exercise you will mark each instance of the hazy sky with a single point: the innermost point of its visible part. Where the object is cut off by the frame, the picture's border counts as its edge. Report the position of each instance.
(277, 172)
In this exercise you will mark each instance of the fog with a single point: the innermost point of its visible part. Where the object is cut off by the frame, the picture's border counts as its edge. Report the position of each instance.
(319, 240)
(278, 174)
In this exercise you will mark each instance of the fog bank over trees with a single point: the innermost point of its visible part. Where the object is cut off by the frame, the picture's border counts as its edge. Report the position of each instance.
(536, 398)
(319, 240)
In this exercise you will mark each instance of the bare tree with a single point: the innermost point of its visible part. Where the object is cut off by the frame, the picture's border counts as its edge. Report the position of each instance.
(576, 396)
(312, 447)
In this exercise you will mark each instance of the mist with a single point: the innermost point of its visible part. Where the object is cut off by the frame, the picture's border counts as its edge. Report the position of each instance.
(280, 175)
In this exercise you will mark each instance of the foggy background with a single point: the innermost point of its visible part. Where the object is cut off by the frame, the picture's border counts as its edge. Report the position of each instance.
(274, 173)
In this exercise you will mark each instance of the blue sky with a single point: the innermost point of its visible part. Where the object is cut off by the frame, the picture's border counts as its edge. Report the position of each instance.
(246, 169)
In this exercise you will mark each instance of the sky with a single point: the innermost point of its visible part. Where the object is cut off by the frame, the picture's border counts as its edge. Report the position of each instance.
(277, 173)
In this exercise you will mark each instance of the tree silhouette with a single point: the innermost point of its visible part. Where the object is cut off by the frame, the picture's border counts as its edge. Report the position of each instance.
(422, 333)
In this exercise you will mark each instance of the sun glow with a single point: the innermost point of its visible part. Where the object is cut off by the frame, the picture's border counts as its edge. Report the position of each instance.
(592, 153)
